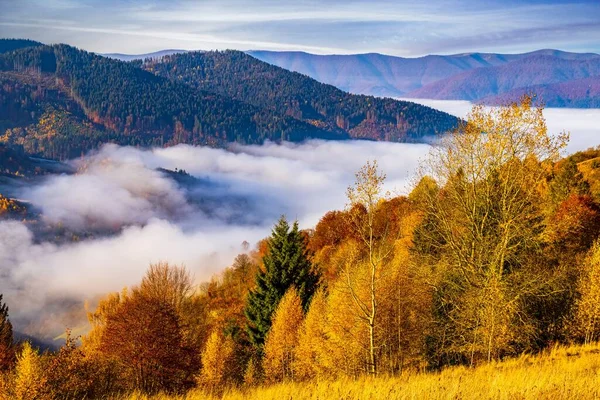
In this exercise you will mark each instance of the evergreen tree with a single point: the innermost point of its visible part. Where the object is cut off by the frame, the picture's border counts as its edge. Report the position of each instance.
(286, 264)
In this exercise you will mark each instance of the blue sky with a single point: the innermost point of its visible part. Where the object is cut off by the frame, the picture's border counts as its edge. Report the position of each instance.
(392, 27)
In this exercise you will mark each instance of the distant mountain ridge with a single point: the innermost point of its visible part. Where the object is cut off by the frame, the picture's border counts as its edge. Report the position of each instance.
(488, 77)
(143, 56)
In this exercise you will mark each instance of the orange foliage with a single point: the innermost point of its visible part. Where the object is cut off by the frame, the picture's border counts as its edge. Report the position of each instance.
(576, 223)
(144, 336)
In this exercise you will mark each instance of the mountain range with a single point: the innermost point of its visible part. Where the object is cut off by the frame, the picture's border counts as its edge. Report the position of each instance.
(59, 101)
(559, 79)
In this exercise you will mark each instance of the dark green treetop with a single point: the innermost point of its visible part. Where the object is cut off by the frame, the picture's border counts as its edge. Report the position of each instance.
(286, 264)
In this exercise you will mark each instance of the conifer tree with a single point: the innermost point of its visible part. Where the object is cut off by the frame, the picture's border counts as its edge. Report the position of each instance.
(286, 264)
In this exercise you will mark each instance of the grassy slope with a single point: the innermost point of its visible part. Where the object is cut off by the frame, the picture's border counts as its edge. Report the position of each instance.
(560, 373)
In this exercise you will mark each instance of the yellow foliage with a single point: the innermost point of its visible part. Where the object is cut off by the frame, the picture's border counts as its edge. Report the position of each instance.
(486, 220)
(29, 380)
(217, 359)
(587, 316)
(561, 373)
(10, 206)
(97, 319)
(282, 338)
(347, 344)
(312, 340)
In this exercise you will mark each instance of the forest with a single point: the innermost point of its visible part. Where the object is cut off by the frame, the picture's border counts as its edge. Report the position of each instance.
(492, 256)
(242, 77)
(59, 102)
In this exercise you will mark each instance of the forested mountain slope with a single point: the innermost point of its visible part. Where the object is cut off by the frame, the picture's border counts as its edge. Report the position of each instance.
(61, 96)
(242, 77)
(59, 101)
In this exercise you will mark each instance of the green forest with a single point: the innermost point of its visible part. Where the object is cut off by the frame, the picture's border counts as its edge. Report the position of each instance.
(58, 101)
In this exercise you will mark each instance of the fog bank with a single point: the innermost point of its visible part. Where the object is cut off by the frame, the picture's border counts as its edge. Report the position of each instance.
(139, 213)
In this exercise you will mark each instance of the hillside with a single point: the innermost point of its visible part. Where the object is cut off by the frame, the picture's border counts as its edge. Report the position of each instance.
(471, 76)
(577, 93)
(242, 77)
(74, 99)
(59, 102)
(560, 373)
(531, 73)
(482, 282)
(7, 45)
(131, 57)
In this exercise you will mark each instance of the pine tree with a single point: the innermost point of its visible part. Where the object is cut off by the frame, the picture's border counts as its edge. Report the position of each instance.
(6, 338)
(286, 264)
(282, 339)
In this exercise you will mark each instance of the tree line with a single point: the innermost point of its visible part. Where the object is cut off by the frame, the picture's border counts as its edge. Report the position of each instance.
(493, 254)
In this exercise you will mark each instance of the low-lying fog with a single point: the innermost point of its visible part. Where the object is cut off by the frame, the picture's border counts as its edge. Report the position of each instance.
(141, 214)
(583, 124)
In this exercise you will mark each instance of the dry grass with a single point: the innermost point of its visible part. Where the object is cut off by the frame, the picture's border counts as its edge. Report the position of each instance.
(561, 373)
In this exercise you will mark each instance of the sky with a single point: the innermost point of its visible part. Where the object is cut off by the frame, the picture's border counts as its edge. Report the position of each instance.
(396, 27)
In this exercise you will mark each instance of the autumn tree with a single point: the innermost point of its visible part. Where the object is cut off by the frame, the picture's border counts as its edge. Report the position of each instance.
(485, 223)
(29, 375)
(586, 324)
(7, 353)
(372, 230)
(71, 373)
(282, 338)
(347, 346)
(286, 264)
(98, 319)
(310, 353)
(167, 283)
(218, 362)
(144, 336)
(566, 181)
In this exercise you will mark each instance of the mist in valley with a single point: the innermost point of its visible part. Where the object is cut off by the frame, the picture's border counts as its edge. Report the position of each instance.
(127, 208)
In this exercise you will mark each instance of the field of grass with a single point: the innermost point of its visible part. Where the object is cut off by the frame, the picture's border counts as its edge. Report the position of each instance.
(560, 373)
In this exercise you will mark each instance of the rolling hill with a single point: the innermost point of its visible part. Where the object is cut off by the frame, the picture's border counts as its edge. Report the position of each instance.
(236, 75)
(59, 101)
(474, 76)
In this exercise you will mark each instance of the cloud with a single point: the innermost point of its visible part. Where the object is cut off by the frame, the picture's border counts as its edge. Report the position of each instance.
(582, 124)
(399, 28)
(107, 193)
(139, 215)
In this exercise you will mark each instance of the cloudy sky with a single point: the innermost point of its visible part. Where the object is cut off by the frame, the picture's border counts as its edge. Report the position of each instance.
(328, 26)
